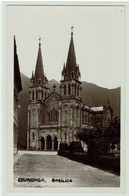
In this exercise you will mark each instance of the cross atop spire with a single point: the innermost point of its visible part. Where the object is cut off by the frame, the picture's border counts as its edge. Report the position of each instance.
(39, 41)
(72, 31)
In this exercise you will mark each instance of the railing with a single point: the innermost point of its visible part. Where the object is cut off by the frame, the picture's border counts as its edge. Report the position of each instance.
(49, 125)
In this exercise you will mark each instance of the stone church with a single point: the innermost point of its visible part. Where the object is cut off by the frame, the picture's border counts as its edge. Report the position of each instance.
(56, 118)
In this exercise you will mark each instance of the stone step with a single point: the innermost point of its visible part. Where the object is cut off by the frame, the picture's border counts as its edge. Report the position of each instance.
(45, 152)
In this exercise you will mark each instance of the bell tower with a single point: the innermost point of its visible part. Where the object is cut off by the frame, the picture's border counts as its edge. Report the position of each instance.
(70, 91)
(38, 82)
(70, 80)
(38, 91)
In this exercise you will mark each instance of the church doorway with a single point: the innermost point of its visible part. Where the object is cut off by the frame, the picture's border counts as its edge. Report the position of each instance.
(42, 143)
(55, 143)
(49, 142)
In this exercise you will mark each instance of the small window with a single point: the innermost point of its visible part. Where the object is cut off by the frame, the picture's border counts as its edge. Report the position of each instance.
(36, 94)
(33, 136)
(32, 95)
(64, 89)
(75, 90)
(69, 89)
(42, 94)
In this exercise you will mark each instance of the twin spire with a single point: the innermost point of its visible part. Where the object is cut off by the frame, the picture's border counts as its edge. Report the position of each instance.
(71, 70)
(39, 71)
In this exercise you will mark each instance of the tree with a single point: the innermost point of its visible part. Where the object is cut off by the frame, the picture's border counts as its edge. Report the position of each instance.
(101, 136)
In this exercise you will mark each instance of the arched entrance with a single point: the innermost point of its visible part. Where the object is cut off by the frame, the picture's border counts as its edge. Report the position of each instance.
(42, 143)
(55, 143)
(49, 142)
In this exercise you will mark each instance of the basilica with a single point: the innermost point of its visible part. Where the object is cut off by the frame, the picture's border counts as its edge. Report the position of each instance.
(55, 118)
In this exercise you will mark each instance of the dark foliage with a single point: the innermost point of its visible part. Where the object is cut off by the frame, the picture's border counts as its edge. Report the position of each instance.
(107, 163)
(110, 163)
(97, 147)
(75, 146)
(110, 132)
(63, 146)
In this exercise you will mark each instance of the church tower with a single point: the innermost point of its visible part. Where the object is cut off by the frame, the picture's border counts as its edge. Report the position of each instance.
(38, 92)
(70, 91)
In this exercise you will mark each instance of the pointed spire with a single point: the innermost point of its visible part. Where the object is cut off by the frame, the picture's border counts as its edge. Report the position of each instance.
(63, 71)
(79, 70)
(32, 75)
(39, 72)
(71, 59)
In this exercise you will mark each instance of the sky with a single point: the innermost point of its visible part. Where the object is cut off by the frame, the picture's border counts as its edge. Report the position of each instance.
(98, 39)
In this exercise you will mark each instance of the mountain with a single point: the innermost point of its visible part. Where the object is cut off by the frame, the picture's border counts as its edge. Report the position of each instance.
(92, 95)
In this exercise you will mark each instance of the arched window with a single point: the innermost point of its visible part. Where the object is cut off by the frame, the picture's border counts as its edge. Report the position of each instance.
(42, 94)
(51, 116)
(32, 95)
(33, 136)
(69, 89)
(75, 90)
(77, 107)
(64, 89)
(36, 94)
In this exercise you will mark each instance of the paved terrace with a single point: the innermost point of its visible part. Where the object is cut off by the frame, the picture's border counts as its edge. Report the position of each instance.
(49, 168)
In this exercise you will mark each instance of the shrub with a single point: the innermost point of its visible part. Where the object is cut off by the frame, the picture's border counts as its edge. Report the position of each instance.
(63, 146)
(76, 146)
(109, 162)
(97, 147)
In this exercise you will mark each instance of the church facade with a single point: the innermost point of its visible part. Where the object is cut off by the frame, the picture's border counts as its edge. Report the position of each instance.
(56, 118)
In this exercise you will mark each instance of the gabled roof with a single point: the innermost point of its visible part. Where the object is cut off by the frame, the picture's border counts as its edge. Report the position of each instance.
(51, 95)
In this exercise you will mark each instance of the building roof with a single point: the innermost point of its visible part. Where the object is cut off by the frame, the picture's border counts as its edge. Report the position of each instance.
(97, 109)
(17, 76)
(51, 95)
